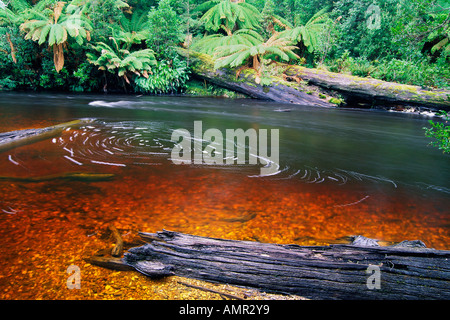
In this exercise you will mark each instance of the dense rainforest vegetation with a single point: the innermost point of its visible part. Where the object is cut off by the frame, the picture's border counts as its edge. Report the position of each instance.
(131, 45)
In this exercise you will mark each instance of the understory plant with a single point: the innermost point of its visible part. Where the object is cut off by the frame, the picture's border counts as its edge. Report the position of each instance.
(440, 132)
(168, 76)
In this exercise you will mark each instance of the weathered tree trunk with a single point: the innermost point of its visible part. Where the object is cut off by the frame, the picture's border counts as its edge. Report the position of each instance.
(355, 271)
(14, 139)
(320, 88)
(371, 89)
(280, 90)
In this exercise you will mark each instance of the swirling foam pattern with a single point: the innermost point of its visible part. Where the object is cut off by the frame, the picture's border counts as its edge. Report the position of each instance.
(114, 144)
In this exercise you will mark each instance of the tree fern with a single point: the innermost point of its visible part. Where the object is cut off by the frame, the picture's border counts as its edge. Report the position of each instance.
(13, 14)
(308, 34)
(132, 30)
(229, 16)
(209, 43)
(239, 54)
(54, 26)
(122, 61)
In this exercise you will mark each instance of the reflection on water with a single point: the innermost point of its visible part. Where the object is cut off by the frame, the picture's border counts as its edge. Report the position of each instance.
(342, 172)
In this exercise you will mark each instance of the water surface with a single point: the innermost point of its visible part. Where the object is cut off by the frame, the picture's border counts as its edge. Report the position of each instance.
(341, 172)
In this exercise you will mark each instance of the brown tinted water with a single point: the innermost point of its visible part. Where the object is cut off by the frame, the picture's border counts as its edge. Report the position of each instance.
(342, 172)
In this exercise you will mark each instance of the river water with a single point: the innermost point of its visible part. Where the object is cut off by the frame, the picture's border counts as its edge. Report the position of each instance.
(340, 172)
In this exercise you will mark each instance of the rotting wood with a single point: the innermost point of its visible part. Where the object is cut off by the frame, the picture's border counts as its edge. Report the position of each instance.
(109, 263)
(14, 139)
(372, 90)
(117, 250)
(407, 270)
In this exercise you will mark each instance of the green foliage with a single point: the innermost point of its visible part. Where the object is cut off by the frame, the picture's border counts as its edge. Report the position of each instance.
(103, 15)
(86, 78)
(440, 132)
(419, 72)
(227, 15)
(363, 29)
(164, 28)
(441, 34)
(308, 34)
(122, 61)
(241, 37)
(49, 79)
(15, 14)
(167, 77)
(7, 84)
(202, 88)
(406, 41)
(54, 25)
(133, 30)
(238, 54)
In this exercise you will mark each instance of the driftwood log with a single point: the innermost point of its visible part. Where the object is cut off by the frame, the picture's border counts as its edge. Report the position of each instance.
(14, 139)
(360, 270)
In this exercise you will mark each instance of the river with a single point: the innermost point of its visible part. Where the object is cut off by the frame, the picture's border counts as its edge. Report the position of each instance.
(340, 172)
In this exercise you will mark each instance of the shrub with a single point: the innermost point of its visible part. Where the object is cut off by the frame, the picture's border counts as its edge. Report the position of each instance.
(166, 77)
(440, 132)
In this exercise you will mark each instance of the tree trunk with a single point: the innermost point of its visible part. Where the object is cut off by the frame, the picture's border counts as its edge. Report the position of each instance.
(372, 90)
(356, 271)
(316, 87)
(11, 45)
(280, 90)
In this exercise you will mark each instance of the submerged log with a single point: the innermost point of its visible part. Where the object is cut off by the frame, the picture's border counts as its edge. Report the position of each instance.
(72, 176)
(361, 270)
(279, 90)
(14, 139)
(373, 90)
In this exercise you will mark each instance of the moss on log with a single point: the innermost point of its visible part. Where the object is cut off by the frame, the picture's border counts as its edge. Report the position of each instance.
(280, 89)
(374, 90)
(316, 87)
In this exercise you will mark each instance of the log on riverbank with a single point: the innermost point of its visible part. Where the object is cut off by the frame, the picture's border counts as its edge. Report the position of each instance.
(308, 86)
(280, 90)
(372, 90)
(360, 270)
(14, 139)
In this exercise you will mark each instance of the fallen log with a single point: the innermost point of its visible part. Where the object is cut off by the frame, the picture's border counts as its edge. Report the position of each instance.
(372, 90)
(361, 270)
(316, 87)
(14, 139)
(280, 90)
